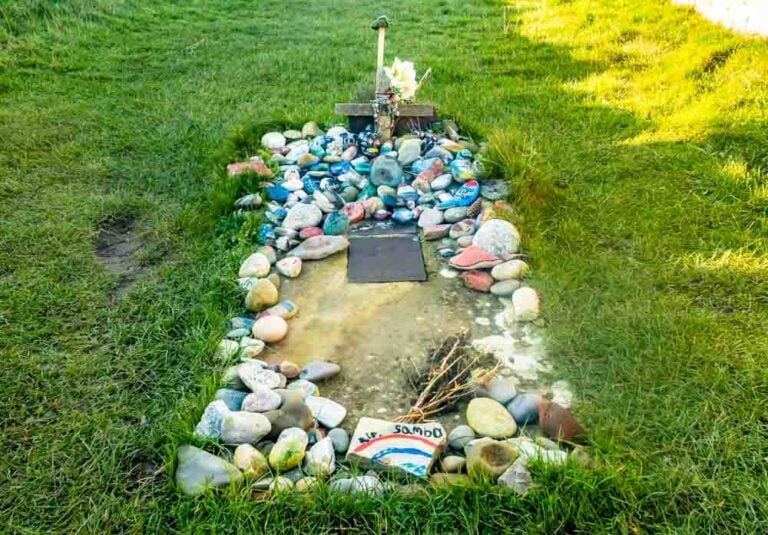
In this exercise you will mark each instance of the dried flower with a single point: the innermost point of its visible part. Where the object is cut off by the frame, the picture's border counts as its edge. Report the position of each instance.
(402, 78)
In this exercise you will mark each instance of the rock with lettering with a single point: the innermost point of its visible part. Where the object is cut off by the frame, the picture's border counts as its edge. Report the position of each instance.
(406, 448)
(198, 470)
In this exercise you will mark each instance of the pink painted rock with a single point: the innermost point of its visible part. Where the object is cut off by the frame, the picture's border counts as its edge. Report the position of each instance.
(372, 205)
(318, 247)
(479, 281)
(465, 227)
(473, 257)
(253, 166)
(436, 232)
(309, 232)
(558, 423)
(354, 211)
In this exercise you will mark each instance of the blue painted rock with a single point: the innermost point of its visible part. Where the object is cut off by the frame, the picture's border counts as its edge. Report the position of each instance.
(240, 322)
(403, 215)
(407, 193)
(386, 171)
(319, 370)
(422, 165)
(336, 223)
(340, 168)
(277, 193)
(464, 196)
(363, 168)
(309, 185)
(524, 408)
(318, 247)
(232, 398)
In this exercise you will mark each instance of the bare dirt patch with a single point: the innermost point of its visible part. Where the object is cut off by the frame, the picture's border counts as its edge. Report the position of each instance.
(116, 245)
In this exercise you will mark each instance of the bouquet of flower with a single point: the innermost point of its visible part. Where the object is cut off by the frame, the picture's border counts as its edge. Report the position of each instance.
(402, 80)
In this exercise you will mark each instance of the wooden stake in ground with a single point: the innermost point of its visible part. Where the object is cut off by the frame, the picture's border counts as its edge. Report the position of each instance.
(380, 25)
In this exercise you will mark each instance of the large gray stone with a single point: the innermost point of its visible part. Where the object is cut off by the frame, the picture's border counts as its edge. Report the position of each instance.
(244, 428)
(198, 470)
(497, 237)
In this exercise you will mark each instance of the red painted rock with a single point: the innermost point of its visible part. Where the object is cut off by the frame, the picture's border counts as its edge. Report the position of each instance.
(253, 166)
(434, 170)
(479, 281)
(558, 423)
(309, 232)
(436, 232)
(474, 257)
(354, 211)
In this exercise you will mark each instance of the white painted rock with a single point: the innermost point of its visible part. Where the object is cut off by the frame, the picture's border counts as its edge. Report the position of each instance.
(303, 216)
(244, 428)
(256, 265)
(525, 302)
(326, 411)
(430, 217)
(323, 202)
(408, 448)
(198, 470)
(262, 399)
(511, 269)
(270, 329)
(321, 458)
(497, 237)
(273, 140)
(318, 247)
(290, 267)
(254, 376)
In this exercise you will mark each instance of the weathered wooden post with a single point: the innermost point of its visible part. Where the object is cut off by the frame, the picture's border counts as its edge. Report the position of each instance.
(384, 112)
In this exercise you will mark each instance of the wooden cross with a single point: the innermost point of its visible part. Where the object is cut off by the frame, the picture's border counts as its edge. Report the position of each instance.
(409, 116)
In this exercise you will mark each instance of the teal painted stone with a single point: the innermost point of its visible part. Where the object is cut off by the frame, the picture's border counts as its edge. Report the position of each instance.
(232, 398)
(335, 224)
(386, 171)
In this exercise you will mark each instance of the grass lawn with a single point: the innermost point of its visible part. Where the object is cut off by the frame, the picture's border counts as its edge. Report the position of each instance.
(635, 134)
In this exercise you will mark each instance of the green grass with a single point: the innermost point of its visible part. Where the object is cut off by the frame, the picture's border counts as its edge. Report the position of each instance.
(635, 133)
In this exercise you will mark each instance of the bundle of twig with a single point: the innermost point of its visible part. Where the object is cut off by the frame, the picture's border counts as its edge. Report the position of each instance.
(446, 380)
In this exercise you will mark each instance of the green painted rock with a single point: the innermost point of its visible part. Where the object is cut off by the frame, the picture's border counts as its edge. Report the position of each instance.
(289, 450)
(489, 418)
(251, 461)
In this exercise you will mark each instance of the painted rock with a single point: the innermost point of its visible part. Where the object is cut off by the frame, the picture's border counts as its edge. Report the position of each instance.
(473, 258)
(326, 411)
(511, 269)
(251, 166)
(306, 388)
(309, 232)
(323, 202)
(436, 232)
(488, 458)
(262, 399)
(525, 302)
(319, 370)
(270, 329)
(464, 241)
(497, 237)
(408, 448)
(284, 309)
(311, 129)
(256, 265)
(386, 171)
(382, 215)
(289, 369)
(430, 217)
(479, 281)
(340, 439)
(251, 461)
(254, 376)
(250, 201)
(465, 227)
(209, 425)
(273, 140)
(321, 458)
(233, 399)
(434, 170)
(558, 423)
(244, 428)
(403, 215)
(336, 223)
(505, 288)
(355, 212)
(318, 247)
(261, 295)
(489, 418)
(441, 182)
(456, 214)
(290, 267)
(289, 450)
(198, 470)
(524, 408)
(277, 193)
(460, 436)
(409, 151)
(302, 216)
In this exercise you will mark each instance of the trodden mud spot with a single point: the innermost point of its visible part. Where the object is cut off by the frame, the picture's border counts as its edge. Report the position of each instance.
(117, 243)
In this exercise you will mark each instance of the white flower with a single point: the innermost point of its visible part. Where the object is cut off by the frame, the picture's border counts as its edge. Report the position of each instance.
(402, 77)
